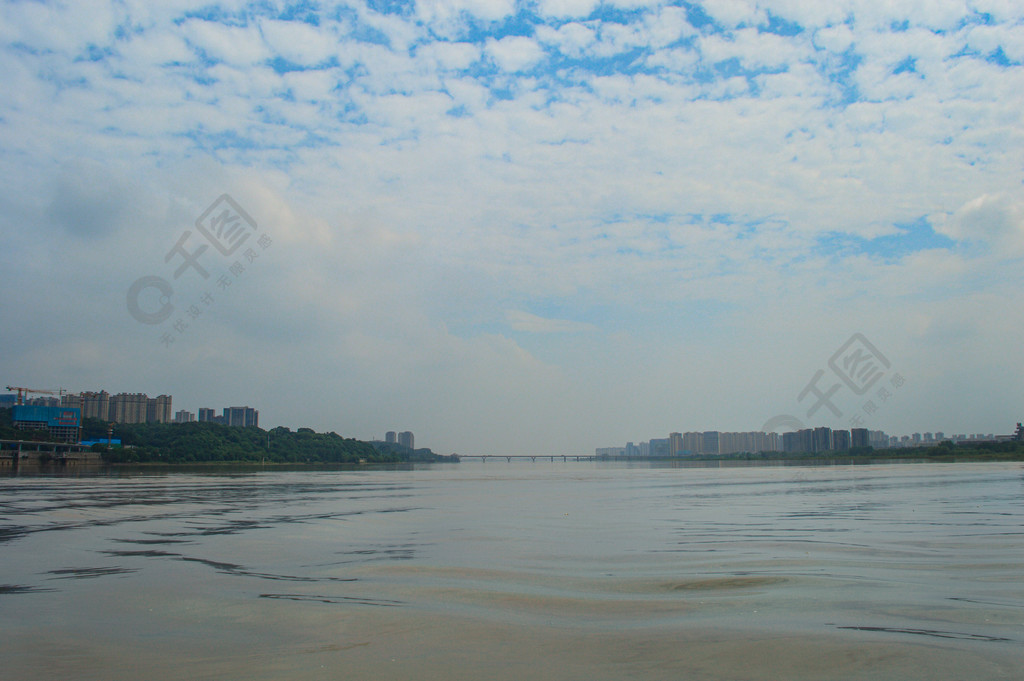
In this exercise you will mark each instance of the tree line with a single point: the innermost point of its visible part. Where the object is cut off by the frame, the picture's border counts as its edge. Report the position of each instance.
(201, 442)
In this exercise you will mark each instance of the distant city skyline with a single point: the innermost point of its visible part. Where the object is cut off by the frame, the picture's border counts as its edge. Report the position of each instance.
(132, 408)
(139, 408)
(817, 439)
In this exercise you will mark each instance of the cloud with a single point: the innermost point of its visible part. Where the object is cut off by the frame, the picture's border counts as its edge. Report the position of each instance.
(995, 219)
(446, 17)
(531, 323)
(731, 13)
(91, 201)
(299, 42)
(571, 39)
(450, 56)
(566, 8)
(515, 53)
(237, 45)
(703, 195)
(754, 50)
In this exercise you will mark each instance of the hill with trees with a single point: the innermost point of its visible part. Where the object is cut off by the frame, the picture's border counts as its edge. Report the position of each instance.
(214, 442)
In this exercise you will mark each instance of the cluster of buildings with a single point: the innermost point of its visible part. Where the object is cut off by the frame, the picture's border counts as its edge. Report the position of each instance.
(405, 438)
(119, 408)
(122, 407)
(62, 416)
(140, 408)
(229, 416)
(695, 444)
(821, 439)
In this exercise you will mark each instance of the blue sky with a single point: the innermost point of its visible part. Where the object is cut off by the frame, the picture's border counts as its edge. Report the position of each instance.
(549, 225)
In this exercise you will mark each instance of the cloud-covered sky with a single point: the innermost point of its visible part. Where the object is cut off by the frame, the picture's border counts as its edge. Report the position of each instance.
(517, 227)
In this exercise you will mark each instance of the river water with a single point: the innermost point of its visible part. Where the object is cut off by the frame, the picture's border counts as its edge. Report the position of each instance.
(547, 570)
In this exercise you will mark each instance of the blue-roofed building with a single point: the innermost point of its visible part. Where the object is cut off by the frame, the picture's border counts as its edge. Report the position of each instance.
(113, 443)
(61, 423)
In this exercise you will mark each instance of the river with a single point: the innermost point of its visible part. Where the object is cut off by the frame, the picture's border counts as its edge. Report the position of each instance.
(545, 570)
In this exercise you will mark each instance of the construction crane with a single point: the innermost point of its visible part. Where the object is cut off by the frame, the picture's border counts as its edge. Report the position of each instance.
(25, 391)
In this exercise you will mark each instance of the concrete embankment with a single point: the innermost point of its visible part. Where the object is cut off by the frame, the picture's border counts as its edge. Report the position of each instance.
(28, 453)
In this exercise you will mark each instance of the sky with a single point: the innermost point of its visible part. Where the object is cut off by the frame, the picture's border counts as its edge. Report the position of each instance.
(520, 227)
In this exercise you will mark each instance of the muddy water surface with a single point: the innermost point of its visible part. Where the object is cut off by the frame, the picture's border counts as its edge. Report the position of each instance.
(544, 570)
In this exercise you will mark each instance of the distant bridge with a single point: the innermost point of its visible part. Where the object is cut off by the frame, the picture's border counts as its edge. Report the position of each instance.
(531, 457)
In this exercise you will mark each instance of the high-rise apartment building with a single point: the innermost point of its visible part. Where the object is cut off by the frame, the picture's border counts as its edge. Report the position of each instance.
(711, 443)
(96, 405)
(158, 409)
(128, 408)
(675, 444)
(405, 438)
(693, 443)
(821, 439)
(120, 408)
(241, 416)
(391, 437)
(800, 441)
(753, 442)
(658, 447)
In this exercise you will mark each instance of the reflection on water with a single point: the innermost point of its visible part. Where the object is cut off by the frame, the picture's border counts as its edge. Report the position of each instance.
(547, 570)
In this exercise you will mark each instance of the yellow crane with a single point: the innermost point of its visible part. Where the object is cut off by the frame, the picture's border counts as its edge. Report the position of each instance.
(25, 391)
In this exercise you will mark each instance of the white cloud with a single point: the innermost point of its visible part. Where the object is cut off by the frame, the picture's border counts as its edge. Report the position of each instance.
(836, 39)
(157, 48)
(314, 86)
(240, 46)
(667, 26)
(68, 29)
(450, 56)
(615, 38)
(531, 323)
(298, 42)
(571, 39)
(988, 39)
(566, 8)
(1001, 10)
(812, 15)
(755, 50)
(515, 53)
(732, 13)
(445, 16)
(996, 219)
(678, 213)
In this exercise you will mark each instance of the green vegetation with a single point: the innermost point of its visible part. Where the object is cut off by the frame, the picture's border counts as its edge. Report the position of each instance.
(7, 431)
(209, 442)
(212, 442)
